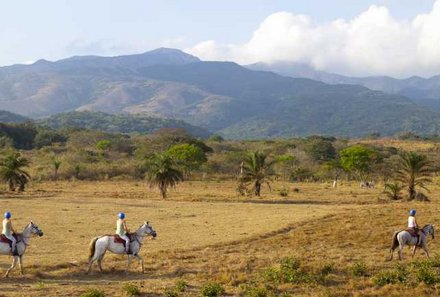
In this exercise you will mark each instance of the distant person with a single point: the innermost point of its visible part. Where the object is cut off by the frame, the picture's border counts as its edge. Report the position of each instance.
(122, 231)
(9, 231)
(412, 224)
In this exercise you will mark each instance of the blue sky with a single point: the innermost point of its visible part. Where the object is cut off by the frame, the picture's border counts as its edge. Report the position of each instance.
(54, 29)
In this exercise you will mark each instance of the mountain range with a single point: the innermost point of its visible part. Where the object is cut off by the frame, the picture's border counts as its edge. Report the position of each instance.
(423, 91)
(222, 97)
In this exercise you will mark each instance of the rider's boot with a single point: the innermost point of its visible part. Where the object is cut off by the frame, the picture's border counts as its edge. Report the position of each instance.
(14, 251)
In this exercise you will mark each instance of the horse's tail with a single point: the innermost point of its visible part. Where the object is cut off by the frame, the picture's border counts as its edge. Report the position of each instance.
(395, 243)
(92, 247)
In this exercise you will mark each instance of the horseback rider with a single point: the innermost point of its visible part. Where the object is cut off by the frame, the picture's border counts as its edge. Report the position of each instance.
(9, 232)
(412, 224)
(122, 230)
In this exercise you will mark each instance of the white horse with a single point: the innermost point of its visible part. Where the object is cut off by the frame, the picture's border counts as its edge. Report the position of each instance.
(402, 238)
(99, 245)
(22, 243)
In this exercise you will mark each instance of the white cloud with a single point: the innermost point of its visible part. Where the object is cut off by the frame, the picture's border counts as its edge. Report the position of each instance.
(372, 43)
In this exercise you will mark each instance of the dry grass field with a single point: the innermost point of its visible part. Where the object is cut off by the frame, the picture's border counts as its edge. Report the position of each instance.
(207, 233)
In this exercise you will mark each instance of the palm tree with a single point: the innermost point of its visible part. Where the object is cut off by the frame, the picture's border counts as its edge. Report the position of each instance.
(12, 173)
(162, 172)
(414, 172)
(256, 171)
(392, 190)
(56, 166)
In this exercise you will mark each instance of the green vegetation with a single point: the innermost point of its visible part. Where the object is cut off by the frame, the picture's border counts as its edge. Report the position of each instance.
(131, 290)
(414, 172)
(120, 123)
(93, 293)
(162, 173)
(12, 172)
(256, 170)
(211, 289)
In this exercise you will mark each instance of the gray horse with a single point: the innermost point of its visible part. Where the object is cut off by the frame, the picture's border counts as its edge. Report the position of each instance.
(402, 238)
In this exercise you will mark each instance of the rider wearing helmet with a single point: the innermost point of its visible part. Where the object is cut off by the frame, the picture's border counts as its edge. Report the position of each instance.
(8, 231)
(122, 230)
(412, 224)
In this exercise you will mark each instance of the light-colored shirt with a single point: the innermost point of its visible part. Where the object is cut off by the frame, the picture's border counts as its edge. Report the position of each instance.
(120, 230)
(412, 222)
(7, 227)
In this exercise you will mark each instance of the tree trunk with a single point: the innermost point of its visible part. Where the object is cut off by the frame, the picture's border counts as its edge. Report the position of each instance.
(11, 186)
(411, 192)
(163, 190)
(257, 188)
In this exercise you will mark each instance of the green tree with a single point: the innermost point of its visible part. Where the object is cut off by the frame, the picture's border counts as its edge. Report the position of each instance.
(256, 170)
(189, 156)
(12, 172)
(162, 172)
(415, 170)
(358, 159)
(321, 150)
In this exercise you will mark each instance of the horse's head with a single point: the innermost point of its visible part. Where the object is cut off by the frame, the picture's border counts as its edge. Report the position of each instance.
(35, 229)
(432, 231)
(148, 229)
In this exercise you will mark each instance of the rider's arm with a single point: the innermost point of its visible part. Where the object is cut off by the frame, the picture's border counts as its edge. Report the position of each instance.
(415, 223)
(125, 227)
(12, 228)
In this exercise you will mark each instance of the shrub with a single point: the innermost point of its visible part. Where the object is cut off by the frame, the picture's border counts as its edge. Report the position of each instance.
(254, 291)
(131, 290)
(327, 269)
(93, 293)
(284, 192)
(397, 275)
(211, 290)
(181, 285)
(171, 292)
(359, 269)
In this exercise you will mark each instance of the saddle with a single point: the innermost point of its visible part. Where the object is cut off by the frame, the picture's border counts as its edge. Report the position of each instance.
(118, 239)
(3, 238)
(412, 232)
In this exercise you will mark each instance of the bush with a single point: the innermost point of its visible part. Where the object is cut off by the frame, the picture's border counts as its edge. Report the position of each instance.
(93, 293)
(181, 285)
(284, 192)
(359, 269)
(211, 290)
(253, 291)
(327, 269)
(397, 275)
(171, 292)
(131, 290)
(426, 272)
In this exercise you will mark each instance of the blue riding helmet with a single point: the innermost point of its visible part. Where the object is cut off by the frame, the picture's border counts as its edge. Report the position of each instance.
(7, 215)
(121, 215)
(412, 212)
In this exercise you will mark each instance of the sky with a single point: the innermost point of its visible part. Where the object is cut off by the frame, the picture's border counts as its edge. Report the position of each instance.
(355, 37)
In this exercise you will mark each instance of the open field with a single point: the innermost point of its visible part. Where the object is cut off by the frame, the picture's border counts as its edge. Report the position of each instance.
(207, 233)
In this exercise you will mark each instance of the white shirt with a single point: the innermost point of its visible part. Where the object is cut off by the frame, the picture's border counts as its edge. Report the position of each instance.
(412, 222)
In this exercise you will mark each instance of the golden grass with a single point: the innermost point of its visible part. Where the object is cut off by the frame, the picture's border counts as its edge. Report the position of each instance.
(206, 232)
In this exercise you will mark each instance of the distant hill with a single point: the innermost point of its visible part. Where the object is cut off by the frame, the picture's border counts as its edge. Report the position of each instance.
(424, 91)
(221, 97)
(9, 117)
(121, 123)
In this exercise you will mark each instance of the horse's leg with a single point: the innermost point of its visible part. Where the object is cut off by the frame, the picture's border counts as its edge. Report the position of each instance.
(130, 257)
(20, 264)
(100, 262)
(414, 251)
(14, 262)
(141, 261)
(400, 252)
(425, 249)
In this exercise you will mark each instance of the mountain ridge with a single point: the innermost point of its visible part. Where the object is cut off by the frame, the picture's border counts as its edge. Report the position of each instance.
(222, 97)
